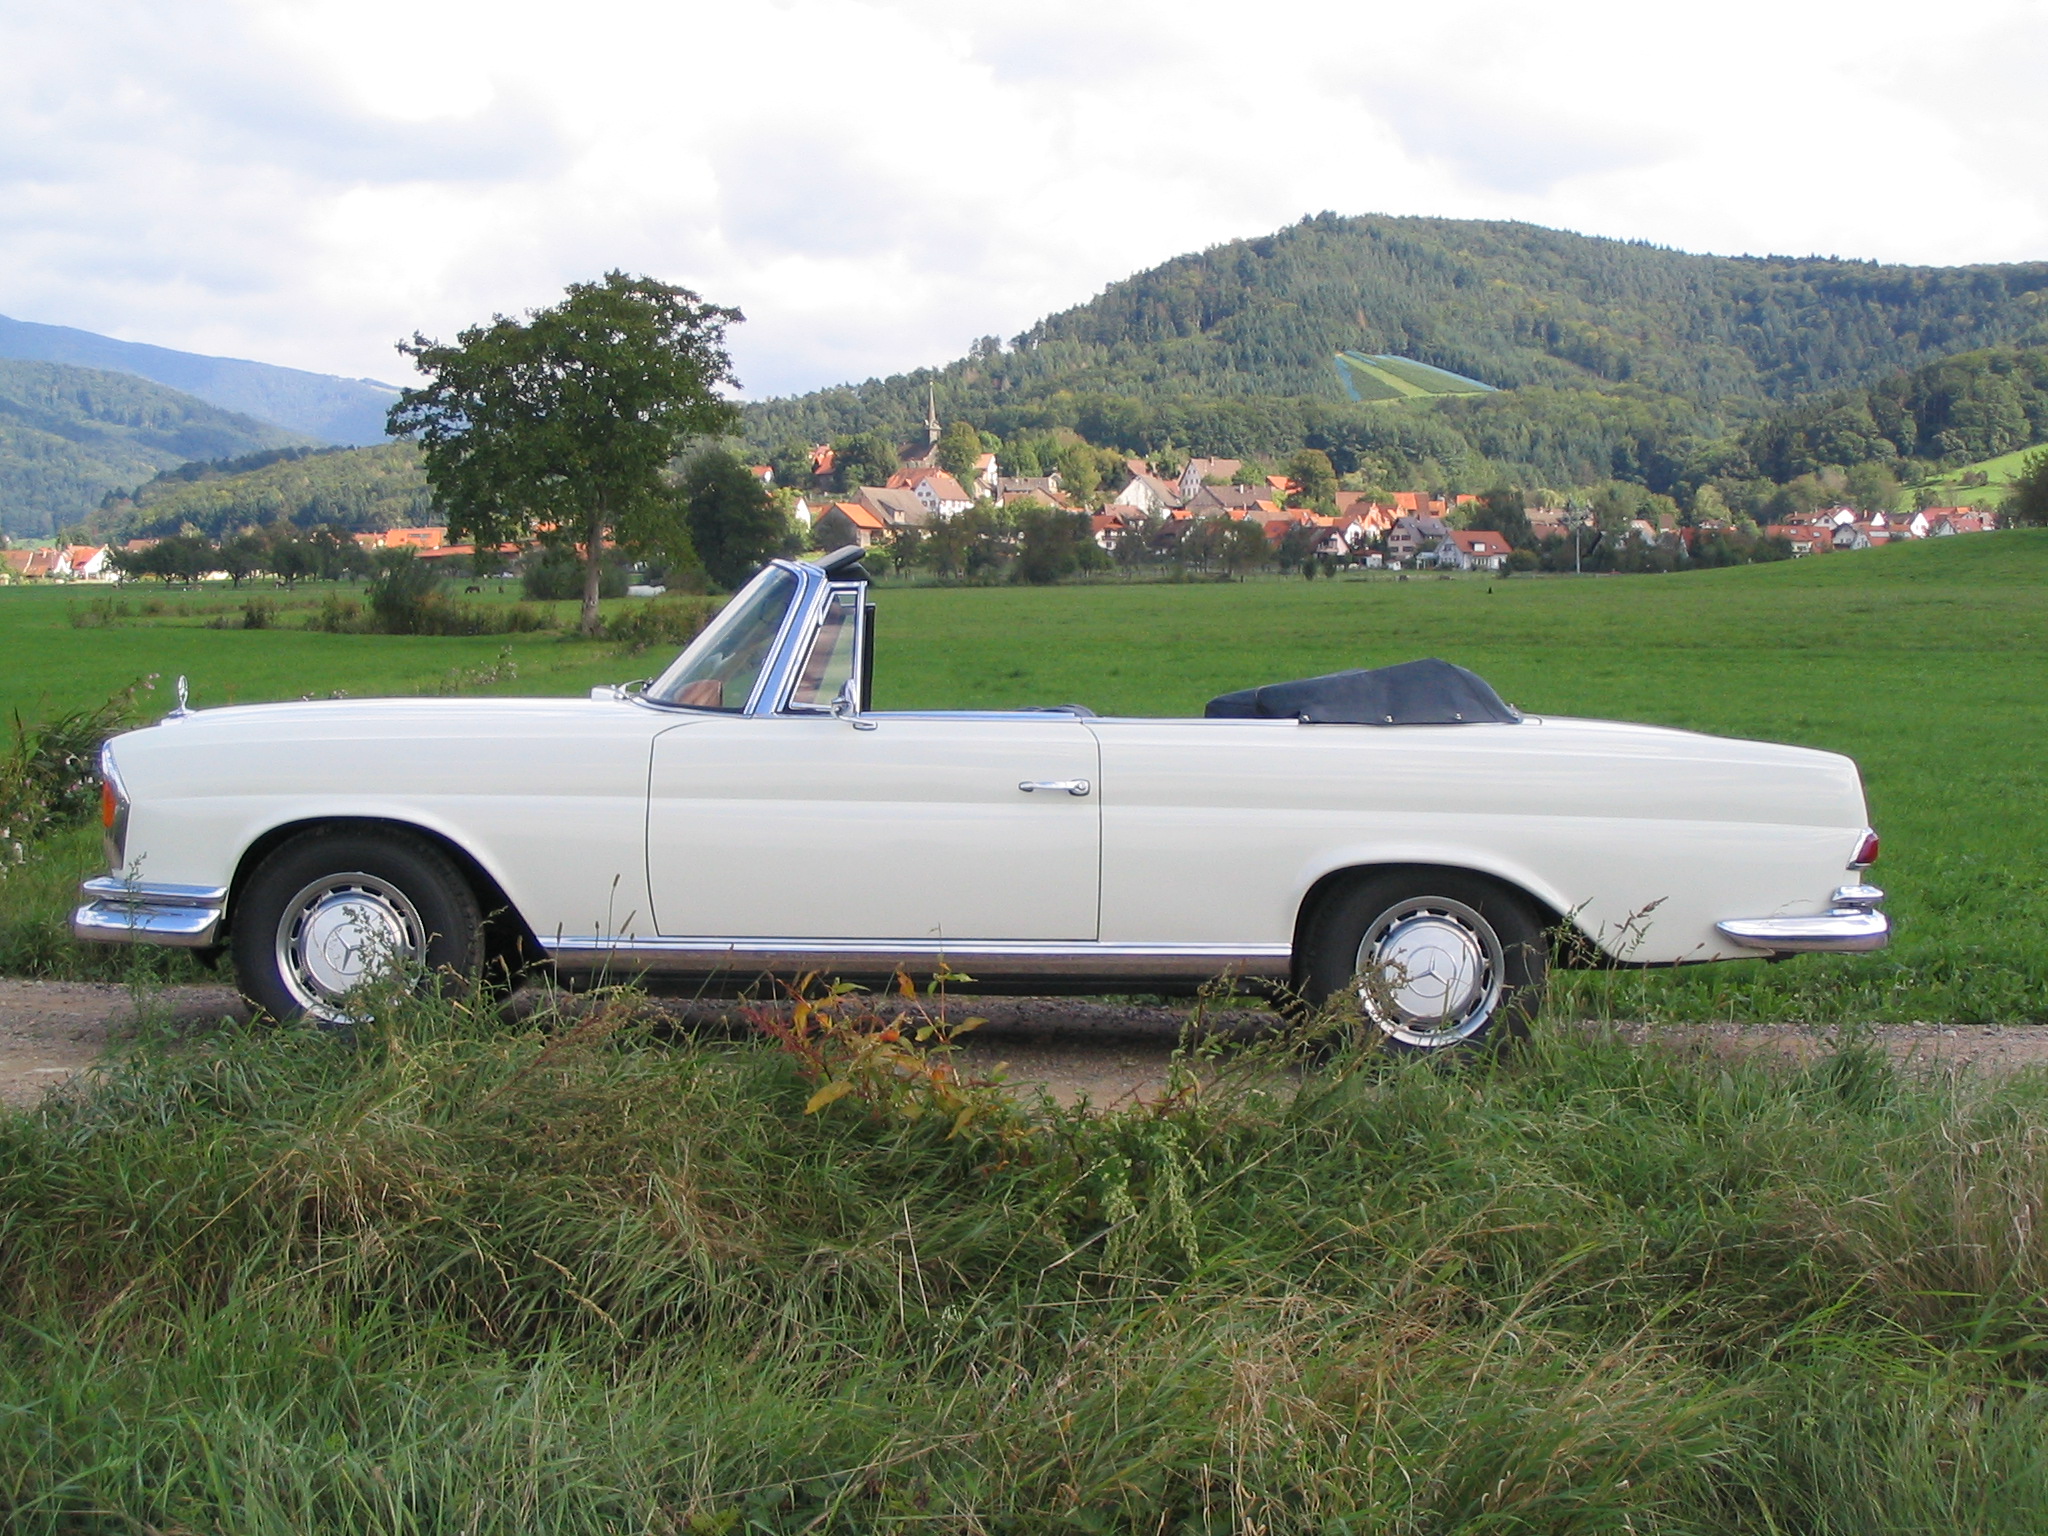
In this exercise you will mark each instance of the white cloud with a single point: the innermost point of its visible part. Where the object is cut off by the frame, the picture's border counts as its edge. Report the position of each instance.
(876, 182)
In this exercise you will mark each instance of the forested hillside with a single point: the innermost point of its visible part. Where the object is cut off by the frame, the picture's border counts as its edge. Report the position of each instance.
(320, 406)
(1611, 353)
(1975, 405)
(69, 435)
(352, 489)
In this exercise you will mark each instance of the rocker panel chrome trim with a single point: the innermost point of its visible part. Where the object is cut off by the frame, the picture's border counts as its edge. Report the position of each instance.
(987, 959)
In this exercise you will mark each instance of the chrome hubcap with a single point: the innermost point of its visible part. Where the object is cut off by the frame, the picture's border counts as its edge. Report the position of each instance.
(340, 932)
(1430, 971)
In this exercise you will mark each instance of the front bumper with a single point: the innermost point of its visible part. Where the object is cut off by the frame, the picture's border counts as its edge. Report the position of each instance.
(137, 912)
(1851, 925)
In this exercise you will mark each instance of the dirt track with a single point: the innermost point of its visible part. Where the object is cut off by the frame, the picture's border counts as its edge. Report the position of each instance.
(51, 1030)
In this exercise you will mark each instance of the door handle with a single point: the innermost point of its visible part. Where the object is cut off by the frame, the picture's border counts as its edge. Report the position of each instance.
(1071, 786)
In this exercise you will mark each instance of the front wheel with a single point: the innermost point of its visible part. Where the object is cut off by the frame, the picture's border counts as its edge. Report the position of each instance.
(1435, 959)
(330, 911)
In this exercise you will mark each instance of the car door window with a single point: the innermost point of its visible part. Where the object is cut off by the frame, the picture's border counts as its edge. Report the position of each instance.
(834, 653)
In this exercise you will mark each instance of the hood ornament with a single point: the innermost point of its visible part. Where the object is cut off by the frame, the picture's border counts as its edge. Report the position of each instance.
(183, 709)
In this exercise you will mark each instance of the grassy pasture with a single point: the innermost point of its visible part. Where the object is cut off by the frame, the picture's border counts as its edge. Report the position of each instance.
(462, 1277)
(1928, 663)
(2002, 471)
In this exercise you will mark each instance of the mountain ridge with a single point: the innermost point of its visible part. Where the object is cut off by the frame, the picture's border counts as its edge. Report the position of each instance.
(1512, 304)
(324, 407)
(70, 435)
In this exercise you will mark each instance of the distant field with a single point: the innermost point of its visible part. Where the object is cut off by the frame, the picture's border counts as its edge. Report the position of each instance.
(50, 666)
(2001, 470)
(1376, 376)
(1926, 662)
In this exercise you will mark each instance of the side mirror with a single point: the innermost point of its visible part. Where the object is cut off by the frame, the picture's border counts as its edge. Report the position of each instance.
(846, 706)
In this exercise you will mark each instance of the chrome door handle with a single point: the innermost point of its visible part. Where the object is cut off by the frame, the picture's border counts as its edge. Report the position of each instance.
(1071, 786)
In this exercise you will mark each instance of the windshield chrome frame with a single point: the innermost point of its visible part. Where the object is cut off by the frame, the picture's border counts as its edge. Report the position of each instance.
(792, 644)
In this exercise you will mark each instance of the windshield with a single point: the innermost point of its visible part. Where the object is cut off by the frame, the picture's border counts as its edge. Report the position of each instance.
(721, 666)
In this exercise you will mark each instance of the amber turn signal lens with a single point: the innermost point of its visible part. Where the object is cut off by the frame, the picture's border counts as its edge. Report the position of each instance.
(109, 806)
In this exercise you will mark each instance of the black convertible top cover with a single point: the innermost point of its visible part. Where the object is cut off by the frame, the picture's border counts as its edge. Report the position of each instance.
(1427, 692)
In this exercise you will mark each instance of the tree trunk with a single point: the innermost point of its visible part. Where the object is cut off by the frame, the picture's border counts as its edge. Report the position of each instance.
(593, 565)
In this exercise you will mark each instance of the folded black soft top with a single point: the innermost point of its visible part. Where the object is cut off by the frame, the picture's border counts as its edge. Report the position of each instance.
(1427, 692)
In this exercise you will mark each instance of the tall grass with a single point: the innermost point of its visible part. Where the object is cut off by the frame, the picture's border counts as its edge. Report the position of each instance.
(472, 1276)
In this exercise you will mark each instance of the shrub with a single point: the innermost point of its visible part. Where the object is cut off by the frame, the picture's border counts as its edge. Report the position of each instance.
(404, 593)
(554, 574)
(669, 622)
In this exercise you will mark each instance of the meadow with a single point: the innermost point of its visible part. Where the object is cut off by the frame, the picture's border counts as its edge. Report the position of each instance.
(1927, 663)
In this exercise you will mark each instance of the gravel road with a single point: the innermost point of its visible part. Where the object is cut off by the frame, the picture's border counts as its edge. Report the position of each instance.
(1106, 1053)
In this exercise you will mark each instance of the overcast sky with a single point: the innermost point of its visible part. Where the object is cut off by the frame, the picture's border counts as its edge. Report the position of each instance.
(878, 182)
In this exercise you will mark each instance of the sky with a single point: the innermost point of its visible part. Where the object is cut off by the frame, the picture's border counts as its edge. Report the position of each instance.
(876, 183)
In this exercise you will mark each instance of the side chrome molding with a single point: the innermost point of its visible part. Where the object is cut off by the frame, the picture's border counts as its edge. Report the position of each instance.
(984, 960)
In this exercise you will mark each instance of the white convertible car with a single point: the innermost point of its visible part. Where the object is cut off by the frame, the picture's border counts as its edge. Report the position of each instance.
(1399, 834)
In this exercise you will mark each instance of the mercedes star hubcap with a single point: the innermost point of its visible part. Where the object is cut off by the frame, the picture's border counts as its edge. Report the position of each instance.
(341, 931)
(1429, 971)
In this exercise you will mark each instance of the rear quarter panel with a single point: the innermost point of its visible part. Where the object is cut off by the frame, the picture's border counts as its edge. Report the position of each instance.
(1216, 830)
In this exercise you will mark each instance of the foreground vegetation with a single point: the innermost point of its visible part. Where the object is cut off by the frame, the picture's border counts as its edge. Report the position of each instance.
(471, 1276)
(1927, 663)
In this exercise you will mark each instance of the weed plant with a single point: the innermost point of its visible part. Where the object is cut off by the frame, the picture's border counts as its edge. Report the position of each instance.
(584, 1276)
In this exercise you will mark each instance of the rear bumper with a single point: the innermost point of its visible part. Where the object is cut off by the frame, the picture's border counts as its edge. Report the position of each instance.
(137, 912)
(1851, 925)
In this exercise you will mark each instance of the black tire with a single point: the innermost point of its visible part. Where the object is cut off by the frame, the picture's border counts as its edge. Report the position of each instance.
(1480, 948)
(321, 907)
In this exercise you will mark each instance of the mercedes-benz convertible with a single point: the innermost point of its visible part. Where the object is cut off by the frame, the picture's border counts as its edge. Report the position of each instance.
(1399, 835)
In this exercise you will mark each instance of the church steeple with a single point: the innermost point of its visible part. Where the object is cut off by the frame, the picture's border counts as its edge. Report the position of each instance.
(931, 415)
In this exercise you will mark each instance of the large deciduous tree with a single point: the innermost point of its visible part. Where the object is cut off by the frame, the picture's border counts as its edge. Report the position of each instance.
(560, 425)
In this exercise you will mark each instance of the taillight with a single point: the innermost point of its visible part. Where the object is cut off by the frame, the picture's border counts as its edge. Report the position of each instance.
(1866, 851)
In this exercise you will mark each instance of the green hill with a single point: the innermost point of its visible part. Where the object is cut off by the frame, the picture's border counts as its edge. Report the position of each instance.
(349, 488)
(1229, 350)
(69, 435)
(319, 406)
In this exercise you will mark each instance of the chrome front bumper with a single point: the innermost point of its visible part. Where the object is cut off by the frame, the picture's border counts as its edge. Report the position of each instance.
(1851, 925)
(137, 912)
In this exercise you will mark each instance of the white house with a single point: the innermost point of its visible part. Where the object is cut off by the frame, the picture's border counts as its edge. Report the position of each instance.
(1478, 549)
(1149, 494)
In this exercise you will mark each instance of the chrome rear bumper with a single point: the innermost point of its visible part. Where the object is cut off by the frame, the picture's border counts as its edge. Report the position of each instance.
(1851, 925)
(138, 912)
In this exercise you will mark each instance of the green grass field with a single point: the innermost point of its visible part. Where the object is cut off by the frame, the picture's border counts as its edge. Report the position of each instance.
(1928, 663)
(2001, 470)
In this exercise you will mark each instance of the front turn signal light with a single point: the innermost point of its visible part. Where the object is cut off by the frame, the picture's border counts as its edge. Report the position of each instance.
(110, 805)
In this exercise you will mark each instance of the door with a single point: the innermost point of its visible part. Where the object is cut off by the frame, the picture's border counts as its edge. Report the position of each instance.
(804, 827)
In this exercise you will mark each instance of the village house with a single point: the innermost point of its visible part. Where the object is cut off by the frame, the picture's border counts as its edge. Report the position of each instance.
(1200, 472)
(848, 522)
(1042, 489)
(896, 507)
(1479, 549)
(1411, 535)
(1215, 500)
(1149, 494)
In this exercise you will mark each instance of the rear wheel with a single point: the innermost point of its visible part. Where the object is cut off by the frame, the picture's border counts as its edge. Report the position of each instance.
(1434, 959)
(329, 911)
